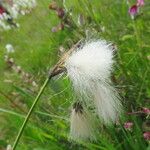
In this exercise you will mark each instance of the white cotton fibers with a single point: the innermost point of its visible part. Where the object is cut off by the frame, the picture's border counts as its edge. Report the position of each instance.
(89, 68)
(82, 126)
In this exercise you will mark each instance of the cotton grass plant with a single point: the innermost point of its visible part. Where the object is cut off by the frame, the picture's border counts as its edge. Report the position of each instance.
(88, 65)
(82, 124)
(89, 69)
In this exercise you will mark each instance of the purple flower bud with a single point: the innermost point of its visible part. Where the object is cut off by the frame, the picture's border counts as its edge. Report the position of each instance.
(146, 135)
(60, 12)
(133, 10)
(2, 10)
(140, 2)
(128, 125)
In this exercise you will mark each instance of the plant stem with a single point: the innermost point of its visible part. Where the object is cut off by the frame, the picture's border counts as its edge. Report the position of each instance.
(30, 112)
(138, 40)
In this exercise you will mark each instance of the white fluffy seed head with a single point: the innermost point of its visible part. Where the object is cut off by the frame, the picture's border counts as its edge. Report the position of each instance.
(82, 126)
(94, 60)
(90, 63)
(89, 69)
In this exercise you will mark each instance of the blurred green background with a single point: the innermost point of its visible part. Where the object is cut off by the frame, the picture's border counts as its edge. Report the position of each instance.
(37, 49)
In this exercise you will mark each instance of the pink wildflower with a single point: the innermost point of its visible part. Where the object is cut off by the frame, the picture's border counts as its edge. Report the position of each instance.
(128, 125)
(146, 135)
(146, 110)
(133, 10)
(140, 3)
(2, 10)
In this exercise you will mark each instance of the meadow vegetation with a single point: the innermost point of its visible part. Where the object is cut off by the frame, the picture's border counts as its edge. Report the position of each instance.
(38, 45)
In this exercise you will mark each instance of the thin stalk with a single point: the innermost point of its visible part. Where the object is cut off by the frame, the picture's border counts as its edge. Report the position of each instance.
(136, 33)
(30, 112)
(58, 69)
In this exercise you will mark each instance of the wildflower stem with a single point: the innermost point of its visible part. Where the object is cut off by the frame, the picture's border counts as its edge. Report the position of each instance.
(30, 112)
(136, 33)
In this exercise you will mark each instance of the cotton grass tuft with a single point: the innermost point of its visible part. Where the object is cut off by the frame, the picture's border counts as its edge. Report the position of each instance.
(82, 125)
(89, 68)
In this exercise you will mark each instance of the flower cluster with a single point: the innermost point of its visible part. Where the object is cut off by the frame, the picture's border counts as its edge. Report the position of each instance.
(26, 77)
(10, 11)
(144, 112)
(134, 9)
(62, 14)
(23, 7)
(5, 17)
(89, 68)
(128, 125)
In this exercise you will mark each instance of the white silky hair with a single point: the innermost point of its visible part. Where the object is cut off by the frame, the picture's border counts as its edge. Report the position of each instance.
(107, 103)
(89, 69)
(82, 126)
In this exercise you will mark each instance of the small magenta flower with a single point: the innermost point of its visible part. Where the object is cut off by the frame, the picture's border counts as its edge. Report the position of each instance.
(146, 111)
(128, 125)
(146, 135)
(140, 3)
(2, 10)
(133, 10)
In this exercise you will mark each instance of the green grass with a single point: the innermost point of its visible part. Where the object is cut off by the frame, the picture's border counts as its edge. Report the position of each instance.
(37, 49)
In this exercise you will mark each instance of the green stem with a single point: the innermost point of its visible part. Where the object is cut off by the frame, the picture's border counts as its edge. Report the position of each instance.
(136, 34)
(29, 113)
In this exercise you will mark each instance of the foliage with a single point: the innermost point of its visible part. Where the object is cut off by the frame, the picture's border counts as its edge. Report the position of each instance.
(37, 49)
